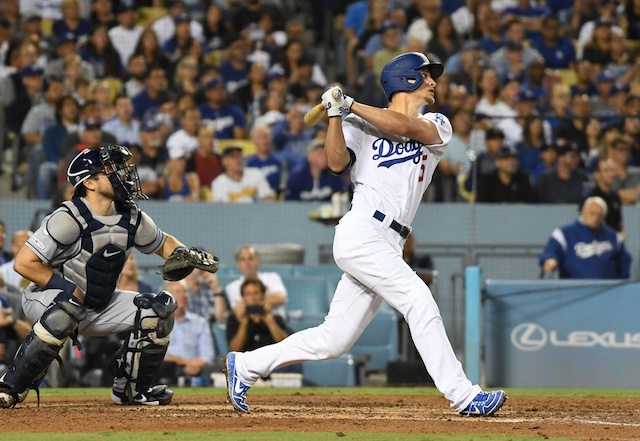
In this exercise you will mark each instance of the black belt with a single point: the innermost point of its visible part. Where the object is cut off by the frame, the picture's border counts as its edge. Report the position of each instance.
(395, 226)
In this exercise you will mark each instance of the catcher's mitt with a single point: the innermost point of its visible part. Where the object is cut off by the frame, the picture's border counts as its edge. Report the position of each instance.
(182, 261)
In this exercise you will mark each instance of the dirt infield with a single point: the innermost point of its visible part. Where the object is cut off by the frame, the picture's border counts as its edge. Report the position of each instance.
(572, 418)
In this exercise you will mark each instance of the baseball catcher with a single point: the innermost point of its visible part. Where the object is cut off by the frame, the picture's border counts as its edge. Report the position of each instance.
(73, 262)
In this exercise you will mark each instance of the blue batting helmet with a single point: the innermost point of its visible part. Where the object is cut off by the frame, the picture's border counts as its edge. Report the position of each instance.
(397, 74)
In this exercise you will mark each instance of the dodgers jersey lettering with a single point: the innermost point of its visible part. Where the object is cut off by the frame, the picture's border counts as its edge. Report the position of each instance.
(391, 172)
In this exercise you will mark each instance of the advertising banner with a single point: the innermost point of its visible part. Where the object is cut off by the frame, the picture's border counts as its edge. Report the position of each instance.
(564, 334)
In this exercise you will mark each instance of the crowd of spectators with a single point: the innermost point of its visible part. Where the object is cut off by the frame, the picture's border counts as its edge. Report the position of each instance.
(210, 95)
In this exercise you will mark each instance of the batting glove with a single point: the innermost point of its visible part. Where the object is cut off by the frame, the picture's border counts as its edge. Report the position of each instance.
(348, 101)
(333, 105)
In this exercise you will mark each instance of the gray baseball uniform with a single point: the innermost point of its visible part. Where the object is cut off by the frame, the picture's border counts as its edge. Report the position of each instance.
(90, 251)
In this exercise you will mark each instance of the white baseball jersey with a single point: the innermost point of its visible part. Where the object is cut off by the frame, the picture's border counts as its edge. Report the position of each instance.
(391, 173)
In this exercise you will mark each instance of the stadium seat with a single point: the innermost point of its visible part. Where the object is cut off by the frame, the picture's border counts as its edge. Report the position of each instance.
(306, 294)
(317, 270)
(284, 269)
(379, 343)
(568, 76)
(219, 334)
(336, 372)
(248, 148)
(225, 279)
(153, 277)
(297, 320)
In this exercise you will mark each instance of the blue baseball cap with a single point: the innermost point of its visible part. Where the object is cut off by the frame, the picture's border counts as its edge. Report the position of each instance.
(181, 18)
(126, 5)
(525, 95)
(32, 70)
(276, 73)
(216, 82)
(68, 36)
(605, 76)
(149, 124)
(617, 87)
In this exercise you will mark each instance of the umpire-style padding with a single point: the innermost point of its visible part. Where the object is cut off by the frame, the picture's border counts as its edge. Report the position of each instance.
(42, 345)
(137, 362)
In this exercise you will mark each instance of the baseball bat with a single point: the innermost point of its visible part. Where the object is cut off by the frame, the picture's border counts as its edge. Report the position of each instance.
(314, 115)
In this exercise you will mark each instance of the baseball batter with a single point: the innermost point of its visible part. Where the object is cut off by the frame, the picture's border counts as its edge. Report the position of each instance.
(392, 154)
(73, 262)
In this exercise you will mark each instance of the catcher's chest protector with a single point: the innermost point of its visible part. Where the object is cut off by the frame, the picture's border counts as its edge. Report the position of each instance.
(103, 252)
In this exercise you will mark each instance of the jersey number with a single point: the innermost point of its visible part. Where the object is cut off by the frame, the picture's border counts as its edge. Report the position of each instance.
(422, 168)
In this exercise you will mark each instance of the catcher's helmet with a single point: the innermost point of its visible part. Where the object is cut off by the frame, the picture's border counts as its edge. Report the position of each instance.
(397, 74)
(112, 159)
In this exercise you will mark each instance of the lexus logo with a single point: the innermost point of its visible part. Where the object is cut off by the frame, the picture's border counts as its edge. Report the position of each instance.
(529, 337)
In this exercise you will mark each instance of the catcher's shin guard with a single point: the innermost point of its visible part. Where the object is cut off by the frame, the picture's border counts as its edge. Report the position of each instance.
(40, 347)
(137, 362)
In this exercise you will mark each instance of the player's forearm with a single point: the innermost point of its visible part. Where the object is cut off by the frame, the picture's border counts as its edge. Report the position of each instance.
(336, 147)
(170, 244)
(29, 266)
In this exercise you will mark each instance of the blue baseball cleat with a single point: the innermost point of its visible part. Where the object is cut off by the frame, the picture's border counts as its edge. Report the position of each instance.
(236, 389)
(485, 404)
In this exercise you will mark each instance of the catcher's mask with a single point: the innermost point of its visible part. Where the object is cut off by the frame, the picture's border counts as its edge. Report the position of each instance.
(112, 159)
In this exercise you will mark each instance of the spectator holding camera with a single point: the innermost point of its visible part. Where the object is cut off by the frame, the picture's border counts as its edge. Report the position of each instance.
(248, 263)
(253, 324)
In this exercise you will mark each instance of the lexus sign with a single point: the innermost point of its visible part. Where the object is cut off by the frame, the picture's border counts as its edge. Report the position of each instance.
(533, 337)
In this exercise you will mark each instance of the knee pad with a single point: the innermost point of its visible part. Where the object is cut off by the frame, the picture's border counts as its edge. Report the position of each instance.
(163, 305)
(139, 359)
(42, 345)
(60, 320)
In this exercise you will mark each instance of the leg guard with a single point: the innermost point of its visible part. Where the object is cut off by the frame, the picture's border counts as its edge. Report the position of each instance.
(39, 349)
(135, 365)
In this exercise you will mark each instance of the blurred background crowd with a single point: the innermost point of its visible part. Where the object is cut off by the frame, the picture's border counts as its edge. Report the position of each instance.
(210, 95)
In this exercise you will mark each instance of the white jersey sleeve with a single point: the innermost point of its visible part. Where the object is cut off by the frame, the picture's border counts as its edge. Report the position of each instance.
(443, 125)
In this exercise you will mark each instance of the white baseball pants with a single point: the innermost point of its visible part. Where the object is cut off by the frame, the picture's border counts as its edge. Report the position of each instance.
(370, 254)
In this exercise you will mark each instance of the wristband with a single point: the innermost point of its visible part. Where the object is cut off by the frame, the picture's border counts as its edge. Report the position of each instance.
(58, 282)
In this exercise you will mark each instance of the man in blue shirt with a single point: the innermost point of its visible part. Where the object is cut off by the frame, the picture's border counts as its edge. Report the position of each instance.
(191, 348)
(154, 89)
(587, 248)
(264, 160)
(558, 52)
(314, 181)
(226, 119)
